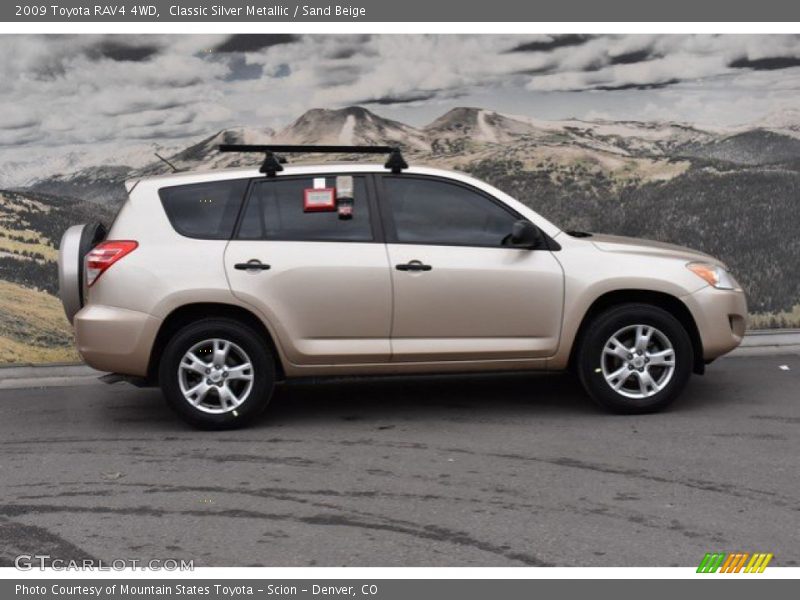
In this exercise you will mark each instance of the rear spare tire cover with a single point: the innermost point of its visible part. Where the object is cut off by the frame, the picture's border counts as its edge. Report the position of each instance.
(75, 244)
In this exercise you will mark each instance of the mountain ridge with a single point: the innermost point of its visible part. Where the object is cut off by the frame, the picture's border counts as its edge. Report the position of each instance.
(733, 192)
(450, 133)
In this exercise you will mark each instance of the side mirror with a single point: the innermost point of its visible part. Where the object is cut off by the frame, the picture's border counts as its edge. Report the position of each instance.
(525, 234)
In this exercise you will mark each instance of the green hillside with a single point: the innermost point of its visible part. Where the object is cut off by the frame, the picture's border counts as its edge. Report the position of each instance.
(33, 327)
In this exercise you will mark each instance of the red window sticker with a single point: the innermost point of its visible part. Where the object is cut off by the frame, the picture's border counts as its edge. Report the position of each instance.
(319, 199)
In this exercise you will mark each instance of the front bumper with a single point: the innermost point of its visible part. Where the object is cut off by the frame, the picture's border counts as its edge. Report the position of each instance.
(115, 339)
(721, 319)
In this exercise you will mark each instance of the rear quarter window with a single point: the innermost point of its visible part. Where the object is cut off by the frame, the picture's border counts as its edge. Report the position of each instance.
(204, 210)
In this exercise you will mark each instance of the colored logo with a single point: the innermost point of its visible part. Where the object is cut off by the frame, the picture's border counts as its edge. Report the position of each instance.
(734, 562)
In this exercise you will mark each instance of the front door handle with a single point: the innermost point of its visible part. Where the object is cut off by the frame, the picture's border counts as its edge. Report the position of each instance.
(251, 265)
(414, 265)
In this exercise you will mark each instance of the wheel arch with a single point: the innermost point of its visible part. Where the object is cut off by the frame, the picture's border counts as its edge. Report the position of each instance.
(667, 302)
(188, 313)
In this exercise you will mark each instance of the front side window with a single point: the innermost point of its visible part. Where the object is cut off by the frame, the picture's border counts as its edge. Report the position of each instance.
(276, 210)
(204, 210)
(430, 211)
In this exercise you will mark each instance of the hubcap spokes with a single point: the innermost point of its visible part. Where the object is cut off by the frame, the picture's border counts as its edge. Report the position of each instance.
(638, 361)
(215, 376)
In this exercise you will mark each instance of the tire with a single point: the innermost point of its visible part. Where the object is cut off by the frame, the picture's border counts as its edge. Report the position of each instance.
(627, 378)
(208, 397)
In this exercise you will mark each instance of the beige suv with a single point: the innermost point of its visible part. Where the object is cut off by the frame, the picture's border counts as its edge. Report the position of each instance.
(216, 285)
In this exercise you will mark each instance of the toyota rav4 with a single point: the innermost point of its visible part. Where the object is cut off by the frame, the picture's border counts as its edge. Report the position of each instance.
(217, 285)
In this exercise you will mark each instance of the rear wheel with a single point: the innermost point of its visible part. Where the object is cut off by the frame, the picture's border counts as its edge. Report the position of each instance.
(217, 374)
(635, 358)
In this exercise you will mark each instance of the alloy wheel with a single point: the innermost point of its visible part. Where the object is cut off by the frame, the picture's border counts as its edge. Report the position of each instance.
(215, 376)
(638, 361)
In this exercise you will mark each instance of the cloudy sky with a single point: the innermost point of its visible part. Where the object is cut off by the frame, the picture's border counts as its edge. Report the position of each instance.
(67, 91)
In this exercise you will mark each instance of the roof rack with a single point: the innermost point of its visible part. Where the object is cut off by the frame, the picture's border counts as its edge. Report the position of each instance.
(272, 163)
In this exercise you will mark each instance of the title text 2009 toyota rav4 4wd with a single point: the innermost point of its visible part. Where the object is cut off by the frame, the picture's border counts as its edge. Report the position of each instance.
(216, 285)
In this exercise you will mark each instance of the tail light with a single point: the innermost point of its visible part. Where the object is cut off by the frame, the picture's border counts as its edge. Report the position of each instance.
(102, 256)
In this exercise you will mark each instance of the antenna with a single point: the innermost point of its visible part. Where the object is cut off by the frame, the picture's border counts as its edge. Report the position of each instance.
(171, 166)
(272, 163)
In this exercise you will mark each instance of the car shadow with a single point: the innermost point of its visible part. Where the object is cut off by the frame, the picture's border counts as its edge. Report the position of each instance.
(475, 397)
(426, 396)
(396, 399)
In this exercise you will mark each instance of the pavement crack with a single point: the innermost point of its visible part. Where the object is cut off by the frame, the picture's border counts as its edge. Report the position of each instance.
(698, 484)
(430, 532)
(360, 520)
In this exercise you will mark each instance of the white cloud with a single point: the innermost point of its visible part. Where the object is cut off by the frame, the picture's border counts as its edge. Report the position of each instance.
(72, 90)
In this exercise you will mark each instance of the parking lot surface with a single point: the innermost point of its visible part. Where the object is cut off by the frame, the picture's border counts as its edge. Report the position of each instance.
(506, 470)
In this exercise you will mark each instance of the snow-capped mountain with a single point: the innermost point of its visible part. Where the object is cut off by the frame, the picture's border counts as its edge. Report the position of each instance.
(206, 151)
(593, 175)
(786, 121)
(481, 125)
(616, 137)
(459, 136)
(353, 125)
(102, 181)
(654, 137)
(29, 166)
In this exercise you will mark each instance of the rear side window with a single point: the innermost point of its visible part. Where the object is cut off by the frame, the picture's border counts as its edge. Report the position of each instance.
(204, 210)
(276, 211)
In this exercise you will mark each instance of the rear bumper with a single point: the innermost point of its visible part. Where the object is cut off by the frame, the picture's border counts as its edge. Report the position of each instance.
(721, 317)
(115, 339)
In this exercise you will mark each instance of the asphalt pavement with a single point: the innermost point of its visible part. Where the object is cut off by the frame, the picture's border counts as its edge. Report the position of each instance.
(505, 470)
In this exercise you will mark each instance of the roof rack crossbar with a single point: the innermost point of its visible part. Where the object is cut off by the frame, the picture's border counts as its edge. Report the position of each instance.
(272, 164)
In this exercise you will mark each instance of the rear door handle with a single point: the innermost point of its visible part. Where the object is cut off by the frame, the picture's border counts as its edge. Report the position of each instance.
(414, 265)
(251, 265)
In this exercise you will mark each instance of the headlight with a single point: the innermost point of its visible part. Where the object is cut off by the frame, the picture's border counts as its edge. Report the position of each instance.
(714, 275)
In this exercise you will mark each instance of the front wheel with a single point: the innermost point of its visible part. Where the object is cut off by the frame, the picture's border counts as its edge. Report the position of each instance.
(635, 358)
(217, 374)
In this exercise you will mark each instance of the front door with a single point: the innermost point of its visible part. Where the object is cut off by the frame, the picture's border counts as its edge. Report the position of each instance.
(320, 279)
(459, 293)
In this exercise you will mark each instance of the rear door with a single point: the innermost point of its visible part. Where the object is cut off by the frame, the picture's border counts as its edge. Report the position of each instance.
(459, 293)
(322, 280)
